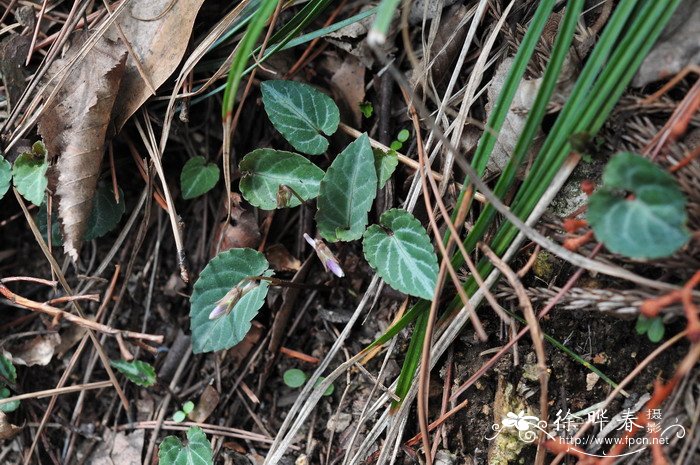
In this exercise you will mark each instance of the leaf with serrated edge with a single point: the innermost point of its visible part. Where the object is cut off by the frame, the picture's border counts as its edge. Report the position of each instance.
(5, 176)
(9, 406)
(137, 372)
(196, 452)
(29, 177)
(385, 164)
(301, 113)
(198, 177)
(7, 370)
(264, 170)
(347, 192)
(401, 252)
(226, 270)
(651, 224)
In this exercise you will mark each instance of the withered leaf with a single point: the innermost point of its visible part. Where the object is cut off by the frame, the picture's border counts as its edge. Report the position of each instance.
(74, 126)
(7, 429)
(158, 32)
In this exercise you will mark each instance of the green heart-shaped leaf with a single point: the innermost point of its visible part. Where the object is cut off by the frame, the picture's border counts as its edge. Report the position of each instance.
(7, 370)
(5, 176)
(223, 273)
(137, 372)
(197, 451)
(401, 252)
(29, 177)
(301, 113)
(198, 177)
(385, 164)
(347, 192)
(639, 211)
(264, 170)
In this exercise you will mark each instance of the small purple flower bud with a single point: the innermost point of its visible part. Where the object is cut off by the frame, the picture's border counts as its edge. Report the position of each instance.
(232, 297)
(334, 268)
(328, 260)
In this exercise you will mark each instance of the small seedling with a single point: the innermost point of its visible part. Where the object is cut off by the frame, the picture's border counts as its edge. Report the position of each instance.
(367, 109)
(295, 378)
(7, 374)
(180, 415)
(652, 327)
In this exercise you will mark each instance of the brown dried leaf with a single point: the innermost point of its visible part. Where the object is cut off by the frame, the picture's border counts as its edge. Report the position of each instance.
(37, 351)
(241, 230)
(7, 429)
(13, 53)
(118, 449)
(206, 405)
(281, 259)
(348, 82)
(158, 32)
(74, 127)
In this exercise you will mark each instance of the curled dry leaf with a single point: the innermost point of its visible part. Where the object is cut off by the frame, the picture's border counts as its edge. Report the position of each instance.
(7, 429)
(240, 231)
(158, 32)
(74, 127)
(281, 259)
(36, 351)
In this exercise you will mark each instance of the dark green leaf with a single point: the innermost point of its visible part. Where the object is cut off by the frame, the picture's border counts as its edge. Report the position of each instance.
(649, 223)
(198, 177)
(7, 370)
(29, 177)
(196, 452)
(347, 192)
(10, 406)
(301, 113)
(223, 273)
(264, 170)
(385, 164)
(106, 212)
(137, 372)
(5, 176)
(401, 252)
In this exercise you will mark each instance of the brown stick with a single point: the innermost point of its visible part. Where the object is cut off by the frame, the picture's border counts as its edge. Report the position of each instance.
(85, 323)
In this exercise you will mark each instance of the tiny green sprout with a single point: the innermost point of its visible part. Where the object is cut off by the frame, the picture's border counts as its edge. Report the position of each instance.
(294, 378)
(187, 407)
(396, 146)
(367, 109)
(181, 414)
(403, 135)
(329, 389)
(652, 327)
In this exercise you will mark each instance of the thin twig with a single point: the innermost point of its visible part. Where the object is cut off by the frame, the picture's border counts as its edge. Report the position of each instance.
(58, 314)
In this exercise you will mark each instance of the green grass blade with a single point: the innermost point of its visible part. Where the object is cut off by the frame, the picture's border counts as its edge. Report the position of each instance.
(243, 52)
